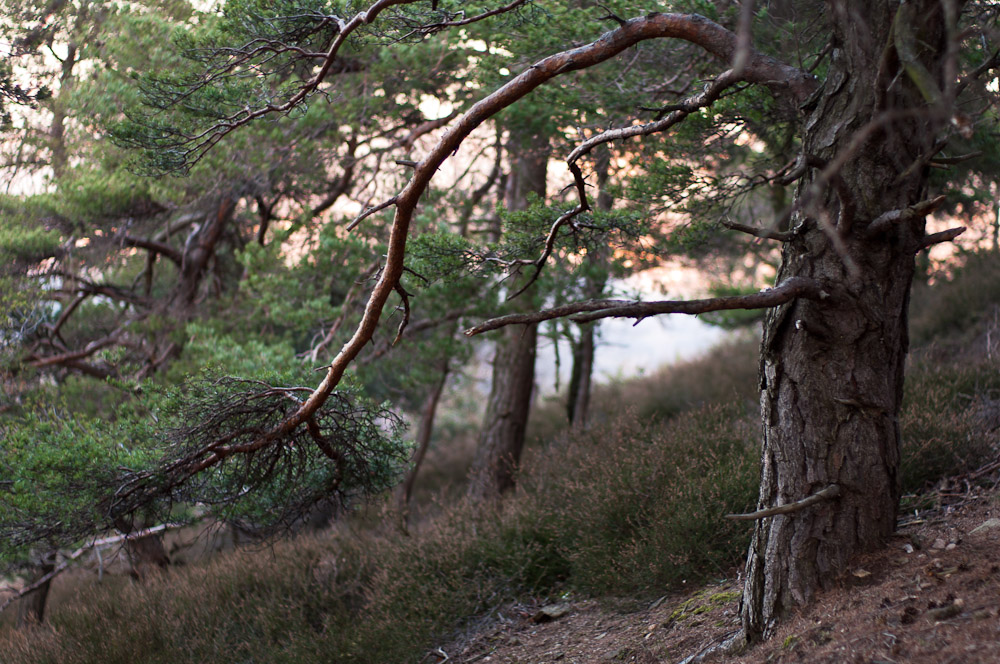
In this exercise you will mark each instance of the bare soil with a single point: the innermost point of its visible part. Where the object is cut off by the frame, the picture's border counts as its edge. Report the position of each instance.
(931, 596)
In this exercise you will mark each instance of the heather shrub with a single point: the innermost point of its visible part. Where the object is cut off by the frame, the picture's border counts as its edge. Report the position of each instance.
(635, 507)
(726, 374)
(621, 509)
(949, 419)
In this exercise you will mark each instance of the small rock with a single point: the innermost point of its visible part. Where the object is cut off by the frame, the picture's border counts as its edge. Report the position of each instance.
(986, 525)
(938, 544)
(550, 612)
(908, 547)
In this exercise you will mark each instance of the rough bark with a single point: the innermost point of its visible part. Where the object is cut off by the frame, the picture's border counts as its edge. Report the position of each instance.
(502, 437)
(832, 370)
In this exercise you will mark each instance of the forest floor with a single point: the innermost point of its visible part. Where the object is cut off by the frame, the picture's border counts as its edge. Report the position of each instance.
(932, 596)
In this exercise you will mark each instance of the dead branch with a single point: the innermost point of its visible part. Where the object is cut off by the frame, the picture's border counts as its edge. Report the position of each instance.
(916, 211)
(370, 211)
(829, 492)
(763, 233)
(423, 128)
(96, 545)
(591, 310)
(943, 236)
(405, 297)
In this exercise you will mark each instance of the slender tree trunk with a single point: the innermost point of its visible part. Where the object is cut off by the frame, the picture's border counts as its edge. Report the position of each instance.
(31, 607)
(427, 415)
(581, 378)
(502, 437)
(578, 402)
(57, 131)
(832, 371)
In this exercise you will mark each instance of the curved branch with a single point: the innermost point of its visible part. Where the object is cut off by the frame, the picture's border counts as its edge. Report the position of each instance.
(829, 492)
(690, 27)
(591, 310)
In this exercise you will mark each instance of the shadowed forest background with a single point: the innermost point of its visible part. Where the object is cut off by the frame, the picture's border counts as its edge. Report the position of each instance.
(274, 277)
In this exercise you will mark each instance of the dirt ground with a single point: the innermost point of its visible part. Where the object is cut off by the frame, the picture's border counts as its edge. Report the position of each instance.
(932, 596)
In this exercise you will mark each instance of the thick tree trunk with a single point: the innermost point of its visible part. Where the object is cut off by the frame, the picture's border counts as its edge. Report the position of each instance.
(502, 437)
(832, 371)
(31, 607)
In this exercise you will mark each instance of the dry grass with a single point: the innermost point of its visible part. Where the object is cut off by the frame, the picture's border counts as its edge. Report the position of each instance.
(631, 507)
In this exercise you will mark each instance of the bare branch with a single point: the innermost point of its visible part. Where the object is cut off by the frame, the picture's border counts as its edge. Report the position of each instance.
(779, 77)
(61, 567)
(916, 211)
(86, 351)
(828, 493)
(405, 297)
(591, 310)
(370, 211)
(423, 128)
(764, 233)
(943, 236)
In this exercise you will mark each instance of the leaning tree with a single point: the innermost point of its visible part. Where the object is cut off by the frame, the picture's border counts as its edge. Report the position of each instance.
(895, 89)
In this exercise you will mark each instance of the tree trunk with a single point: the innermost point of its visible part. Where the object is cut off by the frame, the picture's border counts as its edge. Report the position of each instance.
(146, 554)
(198, 251)
(31, 607)
(502, 436)
(427, 414)
(581, 378)
(578, 402)
(832, 371)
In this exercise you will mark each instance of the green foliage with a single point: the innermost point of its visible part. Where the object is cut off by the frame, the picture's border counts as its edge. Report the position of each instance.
(23, 239)
(57, 470)
(373, 596)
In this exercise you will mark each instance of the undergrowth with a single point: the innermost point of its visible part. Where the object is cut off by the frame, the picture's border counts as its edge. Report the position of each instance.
(633, 506)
